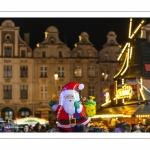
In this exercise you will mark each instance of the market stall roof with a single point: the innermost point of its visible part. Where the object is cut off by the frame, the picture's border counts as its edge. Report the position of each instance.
(143, 110)
(122, 111)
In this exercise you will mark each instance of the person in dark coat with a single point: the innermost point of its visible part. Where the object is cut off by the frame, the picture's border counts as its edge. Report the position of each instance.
(79, 128)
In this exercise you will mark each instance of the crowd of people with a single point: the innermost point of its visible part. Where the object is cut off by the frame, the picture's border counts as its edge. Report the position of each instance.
(101, 127)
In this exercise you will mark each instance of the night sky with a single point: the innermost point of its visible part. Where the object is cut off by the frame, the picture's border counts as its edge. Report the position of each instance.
(70, 28)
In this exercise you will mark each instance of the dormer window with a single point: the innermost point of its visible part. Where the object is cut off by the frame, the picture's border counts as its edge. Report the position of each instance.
(84, 40)
(78, 53)
(60, 54)
(111, 42)
(90, 53)
(43, 54)
(7, 51)
(52, 40)
(106, 57)
(23, 53)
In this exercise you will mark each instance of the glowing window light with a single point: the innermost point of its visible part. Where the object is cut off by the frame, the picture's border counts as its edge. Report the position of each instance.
(38, 45)
(46, 33)
(75, 44)
(79, 38)
(122, 51)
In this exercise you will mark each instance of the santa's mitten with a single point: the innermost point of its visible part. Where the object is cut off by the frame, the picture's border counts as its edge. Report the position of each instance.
(76, 104)
(51, 103)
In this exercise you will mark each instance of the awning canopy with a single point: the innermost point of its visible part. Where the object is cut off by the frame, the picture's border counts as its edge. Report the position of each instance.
(119, 111)
(143, 110)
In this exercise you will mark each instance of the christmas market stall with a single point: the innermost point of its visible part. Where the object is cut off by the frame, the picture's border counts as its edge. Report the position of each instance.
(143, 113)
(112, 114)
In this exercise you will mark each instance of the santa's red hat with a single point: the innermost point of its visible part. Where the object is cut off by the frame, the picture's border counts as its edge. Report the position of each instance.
(72, 88)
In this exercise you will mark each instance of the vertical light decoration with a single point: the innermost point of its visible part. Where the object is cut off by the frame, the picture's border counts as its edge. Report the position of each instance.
(129, 49)
(141, 88)
(122, 81)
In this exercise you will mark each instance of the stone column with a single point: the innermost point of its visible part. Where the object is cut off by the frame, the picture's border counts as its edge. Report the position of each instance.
(16, 44)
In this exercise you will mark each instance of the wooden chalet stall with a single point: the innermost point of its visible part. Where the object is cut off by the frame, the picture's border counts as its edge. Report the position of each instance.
(112, 115)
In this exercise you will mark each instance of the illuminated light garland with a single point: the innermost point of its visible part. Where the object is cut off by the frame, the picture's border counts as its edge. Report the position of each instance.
(121, 67)
(136, 29)
(130, 27)
(126, 116)
(127, 64)
(131, 51)
(122, 51)
(141, 91)
(144, 87)
(108, 115)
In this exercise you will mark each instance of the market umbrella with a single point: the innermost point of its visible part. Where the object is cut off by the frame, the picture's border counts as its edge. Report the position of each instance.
(30, 121)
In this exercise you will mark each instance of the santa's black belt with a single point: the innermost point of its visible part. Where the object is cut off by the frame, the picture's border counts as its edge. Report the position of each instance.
(72, 120)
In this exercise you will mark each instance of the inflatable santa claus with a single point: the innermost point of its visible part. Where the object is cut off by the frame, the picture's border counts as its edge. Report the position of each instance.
(70, 110)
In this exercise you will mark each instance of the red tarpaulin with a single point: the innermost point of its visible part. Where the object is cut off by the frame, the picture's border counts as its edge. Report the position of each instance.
(147, 67)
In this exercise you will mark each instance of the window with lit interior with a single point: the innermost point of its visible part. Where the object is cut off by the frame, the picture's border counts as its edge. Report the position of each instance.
(8, 114)
(78, 71)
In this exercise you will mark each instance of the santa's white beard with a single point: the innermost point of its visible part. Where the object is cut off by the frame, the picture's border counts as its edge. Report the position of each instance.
(69, 107)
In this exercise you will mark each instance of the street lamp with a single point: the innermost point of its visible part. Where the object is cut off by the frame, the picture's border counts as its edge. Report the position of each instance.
(56, 78)
(104, 76)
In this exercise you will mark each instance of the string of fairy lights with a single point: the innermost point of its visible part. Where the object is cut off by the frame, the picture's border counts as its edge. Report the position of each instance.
(128, 49)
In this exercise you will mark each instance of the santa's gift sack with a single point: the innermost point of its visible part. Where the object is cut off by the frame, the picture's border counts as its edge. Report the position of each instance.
(90, 108)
